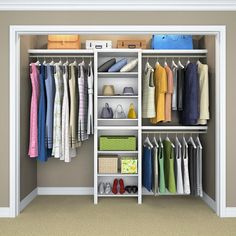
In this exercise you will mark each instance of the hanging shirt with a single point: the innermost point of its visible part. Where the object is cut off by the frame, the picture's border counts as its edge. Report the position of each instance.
(147, 168)
(73, 88)
(192, 165)
(175, 93)
(162, 185)
(148, 99)
(168, 95)
(190, 113)
(199, 171)
(90, 128)
(185, 170)
(33, 142)
(57, 141)
(178, 168)
(169, 166)
(67, 151)
(160, 90)
(83, 103)
(204, 93)
(155, 170)
(42, 117)
(50, 92)
(180, 88)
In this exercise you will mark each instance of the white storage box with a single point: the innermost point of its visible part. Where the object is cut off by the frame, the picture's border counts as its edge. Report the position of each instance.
(96, 44)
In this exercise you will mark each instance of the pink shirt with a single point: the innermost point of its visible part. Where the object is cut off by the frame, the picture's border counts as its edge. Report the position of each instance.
(33, 143)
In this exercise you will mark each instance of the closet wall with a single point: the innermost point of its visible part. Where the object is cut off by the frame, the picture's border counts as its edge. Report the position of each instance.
(79, 172)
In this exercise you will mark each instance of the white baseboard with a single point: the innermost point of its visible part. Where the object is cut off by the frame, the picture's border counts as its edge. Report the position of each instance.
(209, 201)
(28, 199)
(230, 212)
(5, 212)
(65, 191)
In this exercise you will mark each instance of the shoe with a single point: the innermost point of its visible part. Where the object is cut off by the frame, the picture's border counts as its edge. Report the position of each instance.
(122, 186)
(135, 189)
(101, 188)
(114, 187)
(128, 189)
(131, 189)
(107, 188)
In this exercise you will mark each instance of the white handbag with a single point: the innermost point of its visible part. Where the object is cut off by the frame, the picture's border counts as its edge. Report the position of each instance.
(119, 113)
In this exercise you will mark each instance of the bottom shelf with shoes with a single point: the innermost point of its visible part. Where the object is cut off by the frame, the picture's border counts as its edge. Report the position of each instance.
(118, 195)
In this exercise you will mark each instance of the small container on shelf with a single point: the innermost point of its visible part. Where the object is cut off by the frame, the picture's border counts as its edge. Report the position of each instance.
(108, 165)
(129, 165)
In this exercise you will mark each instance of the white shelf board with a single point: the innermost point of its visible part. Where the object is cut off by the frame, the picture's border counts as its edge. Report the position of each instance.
(126, 119)
(118, 96)
(117, 152)
(60, 51)
(118, 195)
(117, 127)
(117, 175)
(117, 74)
(179, 52)
(174, 128)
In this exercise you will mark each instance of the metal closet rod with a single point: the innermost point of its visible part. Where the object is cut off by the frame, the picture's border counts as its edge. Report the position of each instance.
(175, 132)
(175, 56)
(63, 56)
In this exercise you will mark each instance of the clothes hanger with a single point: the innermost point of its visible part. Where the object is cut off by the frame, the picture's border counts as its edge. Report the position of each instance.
(191, 140)
(52, 62)
(167, 138)
(184, 141)
(147, 141)
(199, 142)
(188, 61)
(165, 63)
(177, 140)
(157, 62)
(155, 141)
(44, 62)
(160, 141)
(173, 64)
(180, 64)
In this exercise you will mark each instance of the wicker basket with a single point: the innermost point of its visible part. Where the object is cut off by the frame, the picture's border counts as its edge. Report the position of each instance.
(108, 165)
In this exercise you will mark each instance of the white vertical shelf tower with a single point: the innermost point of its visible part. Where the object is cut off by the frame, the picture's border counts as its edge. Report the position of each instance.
(117, 126)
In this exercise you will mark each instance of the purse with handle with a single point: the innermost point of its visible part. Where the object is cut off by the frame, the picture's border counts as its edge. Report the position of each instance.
(132, 114)
(107, 112)
(119, 113)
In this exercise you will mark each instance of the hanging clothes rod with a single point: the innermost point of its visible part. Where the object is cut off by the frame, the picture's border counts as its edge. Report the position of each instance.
(175, 56)
(60, 56)
(174, 132)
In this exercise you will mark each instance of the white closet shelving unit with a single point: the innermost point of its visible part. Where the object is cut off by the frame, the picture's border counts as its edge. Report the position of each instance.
(123, 126)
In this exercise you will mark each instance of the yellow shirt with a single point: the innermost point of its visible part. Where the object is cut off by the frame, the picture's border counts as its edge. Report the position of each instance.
(161, 89)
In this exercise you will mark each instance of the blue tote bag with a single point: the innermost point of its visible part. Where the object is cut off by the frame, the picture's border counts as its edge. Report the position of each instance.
(171, 41)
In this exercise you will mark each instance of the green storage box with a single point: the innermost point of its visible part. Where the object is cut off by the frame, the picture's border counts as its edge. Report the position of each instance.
(117, 143)
(129, 165)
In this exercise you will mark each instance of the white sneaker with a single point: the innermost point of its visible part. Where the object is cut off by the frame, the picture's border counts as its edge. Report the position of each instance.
(101, 188)
(107, 188)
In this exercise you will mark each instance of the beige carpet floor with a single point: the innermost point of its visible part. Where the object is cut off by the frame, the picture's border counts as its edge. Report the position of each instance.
(73, 215)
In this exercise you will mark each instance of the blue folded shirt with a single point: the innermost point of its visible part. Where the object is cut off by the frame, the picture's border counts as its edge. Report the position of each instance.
(116, 67)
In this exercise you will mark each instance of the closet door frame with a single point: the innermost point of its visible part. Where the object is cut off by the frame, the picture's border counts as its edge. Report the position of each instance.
(219, 31)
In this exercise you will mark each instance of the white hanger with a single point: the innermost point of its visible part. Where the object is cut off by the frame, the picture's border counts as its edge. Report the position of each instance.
(185, 142)
(44, 62)
(178, 142)
(187, 62)
(199, 142)
(160, 141)
(155, 141)
(165, 63)
(173, 64)
(167, 138)
(157, 62)
(147, 141)
(52, 62)
(191, 140)
(180, 64)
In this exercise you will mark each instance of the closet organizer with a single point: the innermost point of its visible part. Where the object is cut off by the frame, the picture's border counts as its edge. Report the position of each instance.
(169, 95)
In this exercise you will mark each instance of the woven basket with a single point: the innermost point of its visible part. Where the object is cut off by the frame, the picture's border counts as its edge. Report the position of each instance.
(108, 165)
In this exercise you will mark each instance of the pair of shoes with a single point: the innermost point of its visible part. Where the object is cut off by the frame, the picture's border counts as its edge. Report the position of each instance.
(130, 189)
(104, 188)
(115, 186)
